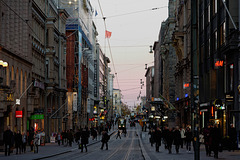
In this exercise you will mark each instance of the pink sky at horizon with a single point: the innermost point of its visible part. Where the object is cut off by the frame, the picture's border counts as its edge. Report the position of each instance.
(132, 34)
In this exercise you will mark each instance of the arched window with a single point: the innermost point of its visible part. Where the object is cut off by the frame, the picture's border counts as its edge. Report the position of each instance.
(25, 81)
(12, 74)
(17, 81)
(7, 76)
(21, 82)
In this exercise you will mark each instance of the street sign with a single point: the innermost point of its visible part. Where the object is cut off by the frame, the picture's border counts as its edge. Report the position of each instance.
(17, 101)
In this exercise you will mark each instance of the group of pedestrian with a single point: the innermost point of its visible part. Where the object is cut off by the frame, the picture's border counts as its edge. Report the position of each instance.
(170, 136)
(18, 141)
(212, 139)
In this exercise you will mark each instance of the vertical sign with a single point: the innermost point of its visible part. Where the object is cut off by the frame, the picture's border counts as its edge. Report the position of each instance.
(75, 101)
(95, 78)
(88, 105)
(79, 70)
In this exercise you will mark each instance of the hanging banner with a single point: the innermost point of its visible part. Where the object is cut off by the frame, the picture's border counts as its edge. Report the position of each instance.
(75, 101)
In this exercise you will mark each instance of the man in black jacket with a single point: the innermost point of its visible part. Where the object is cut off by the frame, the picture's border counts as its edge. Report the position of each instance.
(157, 138)
(105, 138)
(8, 137)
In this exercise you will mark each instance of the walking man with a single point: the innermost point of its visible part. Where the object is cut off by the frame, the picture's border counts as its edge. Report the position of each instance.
(7, 138)
(84, 139)
(157, 138)
(105, 139)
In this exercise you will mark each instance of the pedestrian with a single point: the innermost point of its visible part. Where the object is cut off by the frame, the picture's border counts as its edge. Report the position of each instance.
(177, 139)
(164, 136)
(207, 140)
(36, 142)
(7, 138)
(105, 139)
(118, 134)
(232, 133)
(31, 138)
(151, 139)
(70, 137)
(188, 135)
(84, 138)
(77, 138)
(63, 136)
(157, 138)
(24, 142)
(169, 139)
(216, 138)
(18, 142)
(58, 137)
(182, 132)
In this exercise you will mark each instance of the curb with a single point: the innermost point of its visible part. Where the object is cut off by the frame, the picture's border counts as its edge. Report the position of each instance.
(144, 153)
(53, 155)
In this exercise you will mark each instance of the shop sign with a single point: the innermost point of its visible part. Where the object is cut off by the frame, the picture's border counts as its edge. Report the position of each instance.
(18, 114)
(219, 105)
(37, 116)
(39, 84)
(218, 63)
(239, 88)
(17, 101)
(10, 97)
(186, 85)
(74, 101)
(91, 119)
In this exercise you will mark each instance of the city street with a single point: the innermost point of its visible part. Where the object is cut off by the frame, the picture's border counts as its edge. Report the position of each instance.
(134, 146)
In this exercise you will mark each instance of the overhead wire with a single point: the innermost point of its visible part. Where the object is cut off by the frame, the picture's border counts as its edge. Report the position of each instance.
(104, 18)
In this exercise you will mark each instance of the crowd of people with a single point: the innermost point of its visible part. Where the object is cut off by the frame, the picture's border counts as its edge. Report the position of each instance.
(19, 140)
(209, 136)
(81, 136)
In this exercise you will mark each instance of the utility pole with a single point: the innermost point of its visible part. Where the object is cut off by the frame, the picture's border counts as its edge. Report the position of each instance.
(195, 78)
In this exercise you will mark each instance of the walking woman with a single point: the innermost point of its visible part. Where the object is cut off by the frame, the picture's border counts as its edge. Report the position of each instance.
(188, 135)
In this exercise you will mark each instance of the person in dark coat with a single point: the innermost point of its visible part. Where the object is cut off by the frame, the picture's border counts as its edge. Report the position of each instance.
(169, 139)
(24, 142)
(70, 137)
(84, 139)
(207, 140)
(63, 136)
(157, 138)
(31, 138)
(164, 135)
(7, 138)
(151, 139)
(105, 139)
(177, 139)
(18, 142)
(189, 136)
(77, 138)
(216, 138)
(232, 133)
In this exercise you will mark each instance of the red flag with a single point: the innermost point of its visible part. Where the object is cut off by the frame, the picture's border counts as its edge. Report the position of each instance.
(108, 34)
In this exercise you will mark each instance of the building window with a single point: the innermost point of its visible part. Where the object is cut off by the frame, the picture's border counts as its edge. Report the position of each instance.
(215, 6)
(222, 33)
(230, 72)
(209, 48)
(209, 13)
(215, 41)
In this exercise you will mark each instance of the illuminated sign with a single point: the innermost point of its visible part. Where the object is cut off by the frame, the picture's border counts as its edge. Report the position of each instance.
(37, 116)
(91, 119)
(186, 95)
(186, 85)
(10, 97)
(18, 114)
(219, 105)
(218, 63)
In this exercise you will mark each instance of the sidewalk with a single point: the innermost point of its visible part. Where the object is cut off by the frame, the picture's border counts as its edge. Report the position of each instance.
(47, 151)
(149, 152)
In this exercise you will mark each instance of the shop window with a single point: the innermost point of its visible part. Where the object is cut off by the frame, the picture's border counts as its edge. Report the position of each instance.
(215, 6)
(209, 13)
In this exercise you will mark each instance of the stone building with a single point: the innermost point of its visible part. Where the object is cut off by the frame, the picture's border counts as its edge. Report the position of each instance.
(182, 44)
(15, 64)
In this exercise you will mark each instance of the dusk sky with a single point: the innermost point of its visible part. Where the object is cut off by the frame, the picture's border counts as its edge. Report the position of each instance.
(134, 28)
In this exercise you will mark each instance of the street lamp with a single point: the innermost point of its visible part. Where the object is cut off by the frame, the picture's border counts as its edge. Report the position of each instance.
(151, 49)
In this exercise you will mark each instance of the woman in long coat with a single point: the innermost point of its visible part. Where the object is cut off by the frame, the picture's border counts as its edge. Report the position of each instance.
(177, 139)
